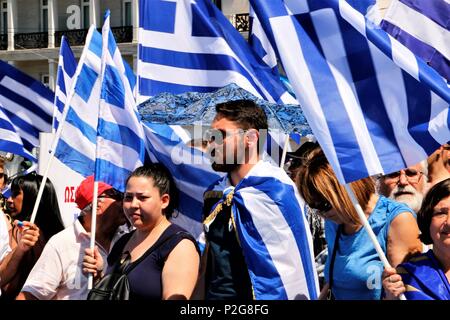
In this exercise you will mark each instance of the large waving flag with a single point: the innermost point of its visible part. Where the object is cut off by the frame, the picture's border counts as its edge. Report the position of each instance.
(423, 27)
(67, 66)
(76, 147)
(190, 46)
(120, 135)
(10, 141)
(365, 96)
(27, 103)
(273, 233)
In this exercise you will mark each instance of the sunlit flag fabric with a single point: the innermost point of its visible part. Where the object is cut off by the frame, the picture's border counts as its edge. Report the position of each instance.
(67, 66)
(190, 46)
(27, 103)
(273, 233)
(120, 136)
(423, 27)
(366, 97)
(77, 146)
(10, 141)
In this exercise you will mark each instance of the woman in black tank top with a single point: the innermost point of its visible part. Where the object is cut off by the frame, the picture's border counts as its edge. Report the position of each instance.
(164, 258)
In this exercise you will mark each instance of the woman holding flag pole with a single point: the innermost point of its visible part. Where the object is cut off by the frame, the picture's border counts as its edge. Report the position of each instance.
(354, 267)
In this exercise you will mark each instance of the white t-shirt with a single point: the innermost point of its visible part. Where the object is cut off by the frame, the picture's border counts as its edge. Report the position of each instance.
(4, 238)
(57, 275)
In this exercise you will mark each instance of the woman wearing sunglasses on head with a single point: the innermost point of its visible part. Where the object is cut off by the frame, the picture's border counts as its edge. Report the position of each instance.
(353, 269)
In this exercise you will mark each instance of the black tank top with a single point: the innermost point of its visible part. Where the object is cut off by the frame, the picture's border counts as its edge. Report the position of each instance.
(145, 275)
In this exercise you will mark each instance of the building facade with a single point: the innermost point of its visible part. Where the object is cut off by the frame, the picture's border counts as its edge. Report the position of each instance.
(31, 30)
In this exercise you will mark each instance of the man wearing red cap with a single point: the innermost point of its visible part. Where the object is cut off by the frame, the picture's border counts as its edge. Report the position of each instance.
(57, 274)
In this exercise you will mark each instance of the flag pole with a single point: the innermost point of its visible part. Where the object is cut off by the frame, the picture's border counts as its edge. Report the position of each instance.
(285, 147)
(93, 229)
(369, 230)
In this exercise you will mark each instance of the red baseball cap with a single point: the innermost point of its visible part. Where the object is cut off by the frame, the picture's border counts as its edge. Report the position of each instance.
(85, 191)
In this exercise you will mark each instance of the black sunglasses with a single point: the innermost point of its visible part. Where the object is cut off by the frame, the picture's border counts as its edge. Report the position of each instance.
(323, 206)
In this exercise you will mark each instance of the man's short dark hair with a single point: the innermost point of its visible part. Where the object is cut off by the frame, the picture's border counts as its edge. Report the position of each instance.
(246, 113)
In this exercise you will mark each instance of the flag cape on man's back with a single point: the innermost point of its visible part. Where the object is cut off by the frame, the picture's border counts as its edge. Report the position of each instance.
(273, 233)
(366, 97)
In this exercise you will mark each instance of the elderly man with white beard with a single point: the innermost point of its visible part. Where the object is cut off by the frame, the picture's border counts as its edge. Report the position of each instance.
(407, 186)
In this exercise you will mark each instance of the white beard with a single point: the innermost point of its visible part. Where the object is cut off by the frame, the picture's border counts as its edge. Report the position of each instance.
(413, 200)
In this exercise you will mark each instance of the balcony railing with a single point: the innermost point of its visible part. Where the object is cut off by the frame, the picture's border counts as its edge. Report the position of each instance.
(77, 37)
(31, 40)
(3, 41)
(74, 37)
(123, 34)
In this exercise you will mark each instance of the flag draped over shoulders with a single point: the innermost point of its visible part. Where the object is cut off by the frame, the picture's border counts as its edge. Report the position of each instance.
(424, 279)
(273, 233)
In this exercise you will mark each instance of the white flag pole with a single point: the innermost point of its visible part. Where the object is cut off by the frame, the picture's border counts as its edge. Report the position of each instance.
(369, 230)
(59, 131)
(285, 147)
(93, 228)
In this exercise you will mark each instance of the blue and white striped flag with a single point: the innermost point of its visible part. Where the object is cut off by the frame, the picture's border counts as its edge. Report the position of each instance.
(10, 141)
(190, 46)
(67, 66)
(76, 147)
(120, 136)
(27, 103)
(365, 96)
(273, 233)
(423, 27)
(260, 43)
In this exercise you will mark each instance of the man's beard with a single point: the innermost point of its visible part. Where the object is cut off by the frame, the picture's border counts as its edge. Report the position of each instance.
(407, 195)
(226, 164)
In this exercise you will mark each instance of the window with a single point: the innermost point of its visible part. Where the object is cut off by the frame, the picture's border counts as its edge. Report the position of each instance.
(4, 17)
(126, 13)
(85, 14)
(45, 79)
(44, 15)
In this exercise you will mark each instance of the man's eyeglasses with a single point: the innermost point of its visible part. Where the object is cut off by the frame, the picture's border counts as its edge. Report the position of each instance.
(112, 194)
(413, 176)
(219, 135)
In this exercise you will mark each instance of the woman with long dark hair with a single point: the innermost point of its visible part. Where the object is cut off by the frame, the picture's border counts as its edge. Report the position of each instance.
(24, 190)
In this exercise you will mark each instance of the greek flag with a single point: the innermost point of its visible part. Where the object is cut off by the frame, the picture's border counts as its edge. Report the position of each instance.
(10, 141)
(77, 145)
(190, 46)
(120, 136)
(67, 66)
(365, 96)
(273, 232)
(260, 43)
(27, 103)
(423, 27)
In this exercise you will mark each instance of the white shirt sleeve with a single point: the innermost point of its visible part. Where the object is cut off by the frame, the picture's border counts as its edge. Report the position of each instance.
(4, 237)
(46, 275)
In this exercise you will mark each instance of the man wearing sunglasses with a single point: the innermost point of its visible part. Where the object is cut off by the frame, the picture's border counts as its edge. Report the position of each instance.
(57, 275)
(407, 186)
(249, 214)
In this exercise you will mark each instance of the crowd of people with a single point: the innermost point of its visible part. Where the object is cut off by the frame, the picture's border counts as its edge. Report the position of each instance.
(270, 234)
